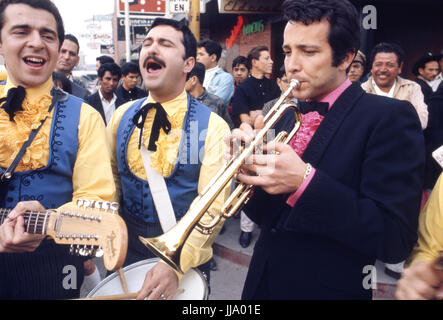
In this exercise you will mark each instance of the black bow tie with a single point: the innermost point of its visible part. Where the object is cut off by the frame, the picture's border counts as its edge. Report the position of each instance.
(14, 101)
(160, 121)
(321, 107)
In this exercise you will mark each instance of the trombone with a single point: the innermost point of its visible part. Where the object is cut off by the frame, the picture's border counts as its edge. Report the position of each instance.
(169, 245)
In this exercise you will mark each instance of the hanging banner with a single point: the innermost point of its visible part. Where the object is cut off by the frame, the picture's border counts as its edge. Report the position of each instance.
(249, 6)
(143, 7)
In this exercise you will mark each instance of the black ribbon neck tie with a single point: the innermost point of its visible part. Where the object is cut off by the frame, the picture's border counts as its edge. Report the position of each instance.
(321, 107)
(160, 122)
(14, 101)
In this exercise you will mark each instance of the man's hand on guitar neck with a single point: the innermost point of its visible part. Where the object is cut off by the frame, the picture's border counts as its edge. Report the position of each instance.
(13, 237)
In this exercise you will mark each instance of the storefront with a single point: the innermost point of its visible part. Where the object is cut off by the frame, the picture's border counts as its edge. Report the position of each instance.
(241, 25)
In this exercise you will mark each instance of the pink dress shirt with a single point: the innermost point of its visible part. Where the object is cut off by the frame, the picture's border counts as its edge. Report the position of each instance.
(310, 123)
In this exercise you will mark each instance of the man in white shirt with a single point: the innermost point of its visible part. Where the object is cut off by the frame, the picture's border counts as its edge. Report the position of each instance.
(387, 63)
(105, 100)
(217, 81)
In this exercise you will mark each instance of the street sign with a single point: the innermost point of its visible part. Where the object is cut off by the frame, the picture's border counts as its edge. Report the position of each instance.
(138, 27)
(182, 6)
(178, 6)
(143, 7)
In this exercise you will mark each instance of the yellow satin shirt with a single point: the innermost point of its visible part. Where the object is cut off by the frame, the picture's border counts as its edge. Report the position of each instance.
(198, 248)
(92, 174)
(430, 228)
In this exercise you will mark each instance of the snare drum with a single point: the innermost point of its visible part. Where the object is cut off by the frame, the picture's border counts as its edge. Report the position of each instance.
(193, 282)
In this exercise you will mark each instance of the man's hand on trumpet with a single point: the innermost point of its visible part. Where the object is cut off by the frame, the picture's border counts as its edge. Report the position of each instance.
(278, 171)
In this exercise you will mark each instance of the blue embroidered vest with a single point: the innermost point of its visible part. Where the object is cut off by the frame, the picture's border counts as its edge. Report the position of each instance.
(51, 185)
(182, 184)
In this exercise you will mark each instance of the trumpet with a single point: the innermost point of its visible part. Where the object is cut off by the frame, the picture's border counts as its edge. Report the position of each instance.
(169, 246)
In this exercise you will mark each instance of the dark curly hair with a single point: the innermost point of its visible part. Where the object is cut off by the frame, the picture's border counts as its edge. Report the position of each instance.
(344, 34)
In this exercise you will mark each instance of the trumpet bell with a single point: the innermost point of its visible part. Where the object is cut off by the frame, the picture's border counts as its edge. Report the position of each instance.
(160, 248)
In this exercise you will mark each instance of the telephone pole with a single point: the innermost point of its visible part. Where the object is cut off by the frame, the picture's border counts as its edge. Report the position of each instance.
(127, 32)
(194, 18)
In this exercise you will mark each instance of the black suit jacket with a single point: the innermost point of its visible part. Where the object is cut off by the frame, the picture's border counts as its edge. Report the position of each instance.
(361, 205)
(79, 91)
(425, 88)
(433, 137)
(95, 101)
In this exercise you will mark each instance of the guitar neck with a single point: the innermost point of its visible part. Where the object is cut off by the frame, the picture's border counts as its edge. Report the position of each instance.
(35, 222)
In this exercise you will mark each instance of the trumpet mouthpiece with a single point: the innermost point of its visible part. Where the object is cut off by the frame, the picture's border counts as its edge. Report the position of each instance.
(294, 83)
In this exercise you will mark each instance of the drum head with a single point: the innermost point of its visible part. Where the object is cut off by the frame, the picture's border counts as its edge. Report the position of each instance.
(193, 282)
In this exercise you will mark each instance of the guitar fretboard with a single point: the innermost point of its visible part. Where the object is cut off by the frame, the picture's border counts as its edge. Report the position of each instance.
(35, 222)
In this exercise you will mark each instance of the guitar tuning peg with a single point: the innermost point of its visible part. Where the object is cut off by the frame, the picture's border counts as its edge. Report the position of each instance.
(99, 252)
(98, 205)
(77, 250)
(106, 205)
(80, 203)
(83, 252)
(87, 251)
(114, 207)
(86, 204)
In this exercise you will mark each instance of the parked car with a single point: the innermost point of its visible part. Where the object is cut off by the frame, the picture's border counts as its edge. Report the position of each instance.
(87, 78)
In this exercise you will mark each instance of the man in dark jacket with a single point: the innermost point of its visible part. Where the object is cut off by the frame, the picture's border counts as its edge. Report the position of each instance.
(68, 59)
(128, 90)
(346, 190)
(105, 100)
(433, 137)
(426, 69)
(194, 86)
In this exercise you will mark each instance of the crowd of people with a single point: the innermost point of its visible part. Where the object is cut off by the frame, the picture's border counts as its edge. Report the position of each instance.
(356, 184)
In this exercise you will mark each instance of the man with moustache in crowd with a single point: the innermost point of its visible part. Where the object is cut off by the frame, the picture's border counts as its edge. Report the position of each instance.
(387, 64)
(154, 138)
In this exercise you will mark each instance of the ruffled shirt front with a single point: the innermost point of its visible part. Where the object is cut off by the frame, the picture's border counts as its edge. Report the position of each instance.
(13, 134)
(92, 174)
(164, 159)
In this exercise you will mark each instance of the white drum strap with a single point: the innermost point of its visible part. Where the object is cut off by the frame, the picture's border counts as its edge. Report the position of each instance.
(159, 192)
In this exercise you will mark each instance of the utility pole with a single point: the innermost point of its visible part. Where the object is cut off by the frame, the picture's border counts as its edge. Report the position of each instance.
(127, 32)
(194, 18)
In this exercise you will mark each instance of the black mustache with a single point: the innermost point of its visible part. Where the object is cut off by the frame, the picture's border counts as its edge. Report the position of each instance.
(154, 58)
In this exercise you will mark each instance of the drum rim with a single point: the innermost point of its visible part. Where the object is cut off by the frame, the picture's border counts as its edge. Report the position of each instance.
(143, 262)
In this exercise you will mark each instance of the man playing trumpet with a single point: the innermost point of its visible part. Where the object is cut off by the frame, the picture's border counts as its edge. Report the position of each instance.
(346, 190)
